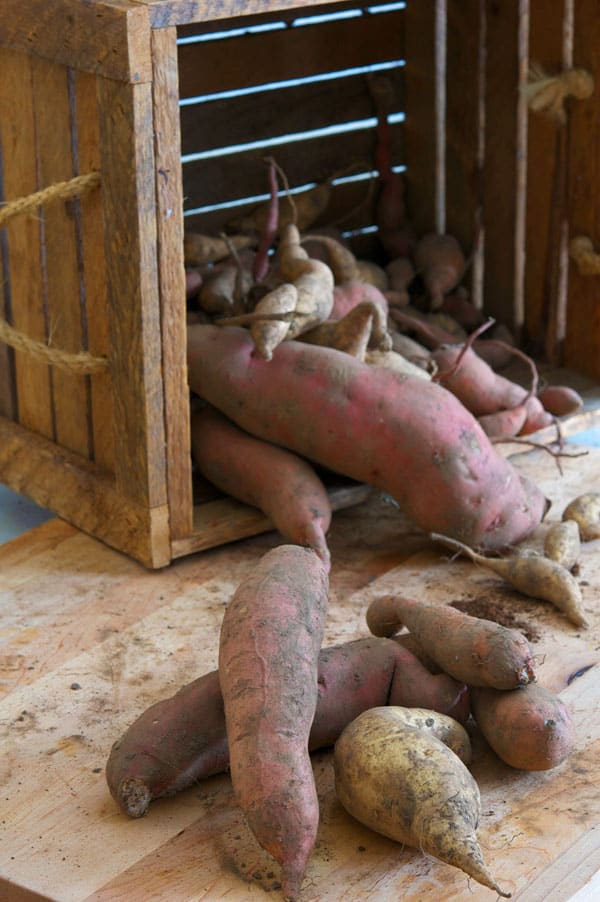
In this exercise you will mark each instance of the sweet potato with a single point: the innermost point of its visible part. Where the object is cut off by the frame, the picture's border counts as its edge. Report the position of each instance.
(562, 543)
(585, 510)
(269, 645)
(529, 728)
(533, 575)
(278, 482)
(407, 784)
(441, 263)
(199, 249)
(398, 433)
(560, 400)
(476, 651)
(182, 739)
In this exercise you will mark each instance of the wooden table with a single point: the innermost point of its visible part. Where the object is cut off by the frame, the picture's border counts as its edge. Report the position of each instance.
(89, 639)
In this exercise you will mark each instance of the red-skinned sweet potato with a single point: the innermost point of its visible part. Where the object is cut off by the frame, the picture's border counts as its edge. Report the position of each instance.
(269, 645)
(182, 739)
(278, 482)
(402, 434)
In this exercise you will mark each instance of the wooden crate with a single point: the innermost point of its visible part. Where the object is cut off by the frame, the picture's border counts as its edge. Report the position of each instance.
(106, 87)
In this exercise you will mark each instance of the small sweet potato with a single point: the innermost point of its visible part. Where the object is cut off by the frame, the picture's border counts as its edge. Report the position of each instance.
(560, 400)
(562, 543)
(529, 728)
(585, 510)
(441, 262)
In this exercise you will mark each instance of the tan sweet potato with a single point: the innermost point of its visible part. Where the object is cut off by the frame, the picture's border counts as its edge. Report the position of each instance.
(585, 511)
(477, 651)
(395, 432)
(562, 543)
(441, 263)
(529, 728)
(182, 739)
(269, 645)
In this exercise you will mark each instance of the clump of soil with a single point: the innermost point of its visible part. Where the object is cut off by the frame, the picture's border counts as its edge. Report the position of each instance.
(492, 609)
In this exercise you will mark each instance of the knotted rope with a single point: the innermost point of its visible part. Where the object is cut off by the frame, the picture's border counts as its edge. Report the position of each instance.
(581, 250)
(547, 94)
(82, 362)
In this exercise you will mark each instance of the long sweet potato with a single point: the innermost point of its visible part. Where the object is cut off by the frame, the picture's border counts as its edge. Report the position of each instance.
(402, 434)
(270, 640)
(182, 739)
(278, 482)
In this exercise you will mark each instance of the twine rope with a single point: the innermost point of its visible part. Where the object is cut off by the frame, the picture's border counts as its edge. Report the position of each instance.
(581, 250)
(547, 94)
(82, 362)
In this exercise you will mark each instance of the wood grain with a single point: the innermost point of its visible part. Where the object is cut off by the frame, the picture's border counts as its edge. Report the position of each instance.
(169, 217)
(108, 37)
(165, 13)
(23, 258)
(129, 192)
(143, 635)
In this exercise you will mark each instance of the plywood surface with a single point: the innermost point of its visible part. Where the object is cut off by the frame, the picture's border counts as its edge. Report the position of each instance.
(89, 639)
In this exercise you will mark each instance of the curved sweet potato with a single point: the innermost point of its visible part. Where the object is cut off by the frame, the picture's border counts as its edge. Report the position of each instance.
(402, 434)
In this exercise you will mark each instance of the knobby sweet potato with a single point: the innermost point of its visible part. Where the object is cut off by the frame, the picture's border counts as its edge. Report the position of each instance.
(402, 434)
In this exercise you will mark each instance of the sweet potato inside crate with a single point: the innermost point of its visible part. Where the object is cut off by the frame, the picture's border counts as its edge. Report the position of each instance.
(176, 107)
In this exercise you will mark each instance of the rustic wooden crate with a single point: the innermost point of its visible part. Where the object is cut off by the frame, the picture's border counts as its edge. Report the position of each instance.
(89, 86)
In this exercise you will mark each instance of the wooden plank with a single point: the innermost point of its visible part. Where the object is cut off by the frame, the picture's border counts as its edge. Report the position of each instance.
(169, 197)
(108, 37)
(500, 194)
(537, 830)
(232, 177)
(128, 188)
(272, 114)
(90, 213)
(82, 493)
(23, 260)
(583, 314)
(543, 181)
(165, 13)
(257, 59)
(420, 123)
(8, 388)
(463, 176)
(61, 264)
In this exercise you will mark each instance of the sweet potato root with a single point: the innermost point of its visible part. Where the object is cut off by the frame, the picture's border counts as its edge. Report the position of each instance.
(395, 432)
(182, 739)
(441, 263)
(476, 651)
(278, 482)
(529, 728)
(269, 645)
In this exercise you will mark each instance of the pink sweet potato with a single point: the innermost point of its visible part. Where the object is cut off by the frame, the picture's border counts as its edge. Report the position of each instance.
(182, 739)
(270, 640)
(441, 262)
(402, 434)
(278, 482)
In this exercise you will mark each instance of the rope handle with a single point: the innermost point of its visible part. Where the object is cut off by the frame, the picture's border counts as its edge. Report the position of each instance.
(581, 250)
(83, 362)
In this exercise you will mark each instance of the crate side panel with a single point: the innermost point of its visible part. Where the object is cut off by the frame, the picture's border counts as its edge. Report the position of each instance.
(61, 253)
(169, 200)
(23, 273)
(87, 144)
(463, 84)
(260, 59)
(420, 119)
(546, 185)
(164, 13)
(582, 342)
(128, 187)
(108, 37)
(500, 201)
(8, 389)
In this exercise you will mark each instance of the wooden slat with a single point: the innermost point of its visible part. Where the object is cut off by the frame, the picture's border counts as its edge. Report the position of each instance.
(271, 114)
(499, 214)
(420, 123)
(311, 50)
(8, 391)
(61, 264)
(287, 14)
(463, 175)
(83, 494)
(235, 176)
(543, 181)
(172, 280)
(128, 188)
(164, 13)
(582, 343)
(24, 272)
(109, 37)
(91, 212)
